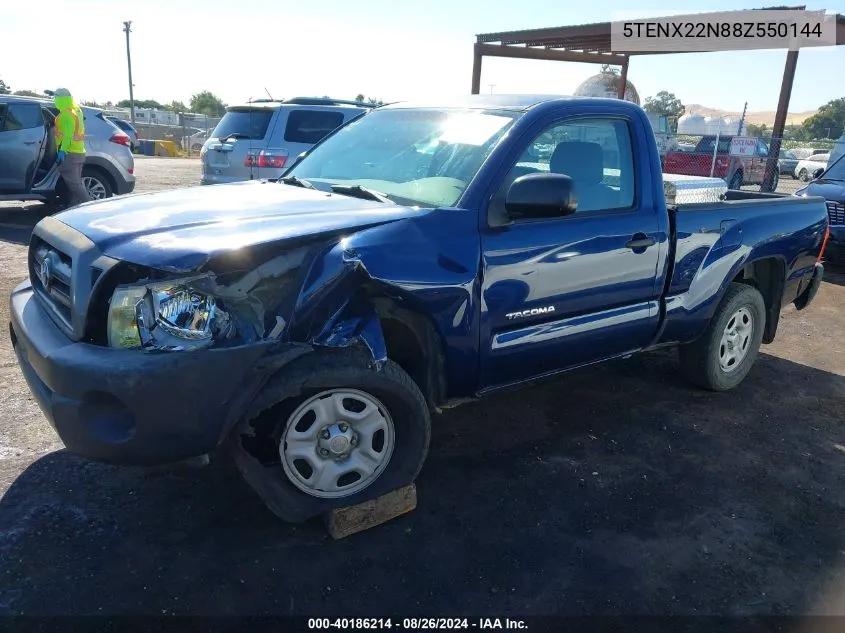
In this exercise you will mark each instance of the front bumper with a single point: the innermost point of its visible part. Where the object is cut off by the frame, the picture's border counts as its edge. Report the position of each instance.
(835, 249)
(132, 407)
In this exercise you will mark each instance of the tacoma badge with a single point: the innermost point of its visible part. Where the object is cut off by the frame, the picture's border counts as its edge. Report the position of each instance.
(531, 312)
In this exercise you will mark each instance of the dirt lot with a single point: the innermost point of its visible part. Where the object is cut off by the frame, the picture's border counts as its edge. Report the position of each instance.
(616, 490)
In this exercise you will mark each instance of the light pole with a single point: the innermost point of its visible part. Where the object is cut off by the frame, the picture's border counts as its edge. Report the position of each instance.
(127, 30)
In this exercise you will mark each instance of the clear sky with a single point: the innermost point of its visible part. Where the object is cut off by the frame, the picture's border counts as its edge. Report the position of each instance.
(391, 49)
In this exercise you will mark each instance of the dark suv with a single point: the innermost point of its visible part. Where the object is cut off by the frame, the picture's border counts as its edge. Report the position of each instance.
(28, 169)
(831, 186)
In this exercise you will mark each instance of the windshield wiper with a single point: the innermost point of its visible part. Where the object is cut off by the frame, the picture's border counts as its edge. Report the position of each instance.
(358, 191)
(298, 182)
(226, 138)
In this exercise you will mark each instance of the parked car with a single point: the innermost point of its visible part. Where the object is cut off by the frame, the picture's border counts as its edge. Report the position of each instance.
(28, 169)
(735, 170)
(811, 167)
(831, 186)
(130, 130)
(417, 258)
(195, 141)
(805, 152)
(786, 163)
(260, 139)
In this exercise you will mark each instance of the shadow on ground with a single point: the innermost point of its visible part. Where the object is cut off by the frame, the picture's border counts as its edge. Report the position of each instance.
(613, 490)
(16, 222)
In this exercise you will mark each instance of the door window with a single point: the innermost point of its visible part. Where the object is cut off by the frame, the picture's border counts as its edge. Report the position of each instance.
(310, 126)
(21, 116)
(596, 153)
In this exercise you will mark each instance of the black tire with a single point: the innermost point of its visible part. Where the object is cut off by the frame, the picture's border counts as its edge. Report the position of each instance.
(804, 175)
(196, 147)
(254, 442)
(700, 359)
(736, 181)
(102, 181)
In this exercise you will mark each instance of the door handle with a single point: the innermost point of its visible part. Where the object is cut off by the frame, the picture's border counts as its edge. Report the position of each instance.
(640, 241)
(30, 142)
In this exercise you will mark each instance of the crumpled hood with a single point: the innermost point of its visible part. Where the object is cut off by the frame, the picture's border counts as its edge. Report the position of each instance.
(180, 230)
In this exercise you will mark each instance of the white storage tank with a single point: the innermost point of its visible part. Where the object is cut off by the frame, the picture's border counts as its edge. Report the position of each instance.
(607, 85)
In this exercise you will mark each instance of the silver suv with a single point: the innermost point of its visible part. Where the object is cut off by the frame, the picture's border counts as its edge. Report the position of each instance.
(262, 138)
(28, 168)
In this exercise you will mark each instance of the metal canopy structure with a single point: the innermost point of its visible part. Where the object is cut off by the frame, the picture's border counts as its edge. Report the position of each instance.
(591, 44)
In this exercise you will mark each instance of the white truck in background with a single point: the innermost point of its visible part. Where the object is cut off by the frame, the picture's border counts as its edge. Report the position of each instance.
(666, 140)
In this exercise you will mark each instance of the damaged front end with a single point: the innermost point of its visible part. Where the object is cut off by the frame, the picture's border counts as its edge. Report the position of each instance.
(161, 312)
(321, 293)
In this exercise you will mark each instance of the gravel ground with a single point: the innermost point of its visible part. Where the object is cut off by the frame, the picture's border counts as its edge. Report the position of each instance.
(614, 490)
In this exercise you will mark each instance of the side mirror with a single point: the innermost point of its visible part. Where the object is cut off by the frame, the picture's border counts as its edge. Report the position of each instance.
(544, 195)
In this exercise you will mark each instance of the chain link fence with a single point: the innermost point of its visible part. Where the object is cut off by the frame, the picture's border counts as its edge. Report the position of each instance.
(751, 163)
(188, 131)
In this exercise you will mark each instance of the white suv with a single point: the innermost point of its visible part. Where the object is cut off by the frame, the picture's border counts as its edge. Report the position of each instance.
(262, 138)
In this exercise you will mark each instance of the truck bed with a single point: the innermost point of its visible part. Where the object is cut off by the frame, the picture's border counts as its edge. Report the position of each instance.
(715, 241)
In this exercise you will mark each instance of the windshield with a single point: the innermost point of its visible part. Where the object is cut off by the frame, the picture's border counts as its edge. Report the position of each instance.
(837, 170)
(417, 157)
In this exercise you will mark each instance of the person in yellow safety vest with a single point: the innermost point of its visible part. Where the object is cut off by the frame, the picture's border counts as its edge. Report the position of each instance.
(70, 145)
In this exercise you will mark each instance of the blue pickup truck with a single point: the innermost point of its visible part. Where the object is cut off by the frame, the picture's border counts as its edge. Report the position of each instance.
(419, 256)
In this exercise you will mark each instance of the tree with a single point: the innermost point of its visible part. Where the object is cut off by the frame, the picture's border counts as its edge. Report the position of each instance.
(177, 106)
(208, 103)
(4, 89)
(665, 103)
(360, 97)
(828, 122)
(141, 103)
(755, 130)
(27, 93)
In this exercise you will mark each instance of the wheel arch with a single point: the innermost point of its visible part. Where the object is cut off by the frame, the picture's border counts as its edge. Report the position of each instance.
(768, 275)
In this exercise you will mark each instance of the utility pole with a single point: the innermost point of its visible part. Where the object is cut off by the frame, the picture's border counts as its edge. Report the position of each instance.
(742, 118)
(491, 87)
(127, 30)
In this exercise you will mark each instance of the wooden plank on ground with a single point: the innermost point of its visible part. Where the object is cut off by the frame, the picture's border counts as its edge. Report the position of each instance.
(343, 522)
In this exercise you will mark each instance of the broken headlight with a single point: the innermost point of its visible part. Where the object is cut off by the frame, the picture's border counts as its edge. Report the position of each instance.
(165, 316)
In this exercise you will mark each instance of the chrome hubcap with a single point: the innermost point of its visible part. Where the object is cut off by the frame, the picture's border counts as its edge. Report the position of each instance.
(337, 443)
(736, 339)
(95, 188)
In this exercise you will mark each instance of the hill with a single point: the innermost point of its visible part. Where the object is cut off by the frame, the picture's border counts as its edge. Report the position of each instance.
(757, 118)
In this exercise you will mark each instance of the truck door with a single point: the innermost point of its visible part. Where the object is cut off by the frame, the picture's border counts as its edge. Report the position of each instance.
(562, 292)
(760, 161)
(22, 134)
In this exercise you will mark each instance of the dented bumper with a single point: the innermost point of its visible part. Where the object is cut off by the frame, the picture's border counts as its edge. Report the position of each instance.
(131, 407)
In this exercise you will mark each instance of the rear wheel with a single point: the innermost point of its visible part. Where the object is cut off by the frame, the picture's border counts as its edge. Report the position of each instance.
(722, 357)
(96, 183)
(329, 431)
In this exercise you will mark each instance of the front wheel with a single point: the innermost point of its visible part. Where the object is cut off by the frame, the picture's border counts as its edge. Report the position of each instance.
(329, 431)
(722, 357)
(803, 175)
